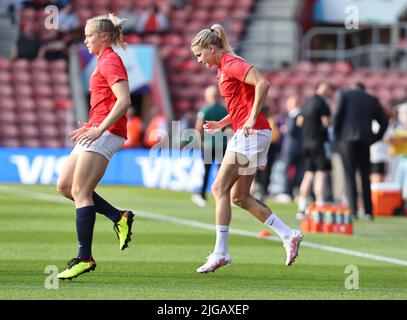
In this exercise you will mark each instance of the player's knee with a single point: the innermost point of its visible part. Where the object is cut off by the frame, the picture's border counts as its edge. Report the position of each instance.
(64, 190)
(239, 200)
(81, 194)
(217, 189)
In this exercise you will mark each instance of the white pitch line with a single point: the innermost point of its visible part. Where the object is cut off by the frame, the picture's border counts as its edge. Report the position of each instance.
(207, 226)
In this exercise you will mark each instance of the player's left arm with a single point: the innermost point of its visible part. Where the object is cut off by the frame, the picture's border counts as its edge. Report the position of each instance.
(255, 78)
(121, 91)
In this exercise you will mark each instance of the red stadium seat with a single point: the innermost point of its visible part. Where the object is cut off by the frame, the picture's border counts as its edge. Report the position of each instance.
(27, 118)
(25, 104)
(154, 39)
(23, 90)
(31, 143)
(6, 90)
(60, 65)
(324, 68)
(42, 77)
(64, 104)
(46, 117)
(5, 77)
(20, 64)
(45, 104)
(49, 131)
(4, 64)
(21, 77)
(52, 143)
(60, 78)
(6, 103)
(172, 39)
(39, 65)
(29, 131)
(10, 142)
(7, 116)
(9, 130)
(62, 92)
(42, 91)
(342, 67)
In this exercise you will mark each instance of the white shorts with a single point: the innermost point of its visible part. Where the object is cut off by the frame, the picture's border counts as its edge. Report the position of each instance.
(107, 145)
(254, 147)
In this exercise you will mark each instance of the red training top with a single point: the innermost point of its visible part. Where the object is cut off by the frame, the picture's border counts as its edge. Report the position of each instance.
(239, 96)
(109, 70)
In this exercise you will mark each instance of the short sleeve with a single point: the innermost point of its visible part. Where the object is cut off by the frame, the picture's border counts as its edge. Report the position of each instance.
(113, 70)
(238, 69)
(201, 115)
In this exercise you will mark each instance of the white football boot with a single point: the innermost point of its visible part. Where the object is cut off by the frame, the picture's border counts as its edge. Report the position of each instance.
(215, 261)
(292, 246)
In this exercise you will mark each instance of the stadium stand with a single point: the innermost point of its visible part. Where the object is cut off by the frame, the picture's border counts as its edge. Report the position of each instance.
(37, 92)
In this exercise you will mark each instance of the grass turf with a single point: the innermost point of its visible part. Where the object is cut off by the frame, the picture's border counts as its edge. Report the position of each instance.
(161, 260)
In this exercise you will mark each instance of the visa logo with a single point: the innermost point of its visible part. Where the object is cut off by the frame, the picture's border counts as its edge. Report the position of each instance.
(175, 174)
(42, 169)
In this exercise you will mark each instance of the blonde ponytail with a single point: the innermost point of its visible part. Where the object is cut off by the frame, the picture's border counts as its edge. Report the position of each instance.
(220, 31)
(216, 35)
(112, 25)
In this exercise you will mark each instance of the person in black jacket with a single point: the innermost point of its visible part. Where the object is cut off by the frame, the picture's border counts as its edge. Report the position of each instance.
(314, 120)
(354, 114)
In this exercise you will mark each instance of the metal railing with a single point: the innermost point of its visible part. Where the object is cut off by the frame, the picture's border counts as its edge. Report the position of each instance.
(374, 53)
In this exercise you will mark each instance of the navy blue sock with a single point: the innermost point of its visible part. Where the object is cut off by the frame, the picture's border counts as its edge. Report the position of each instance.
(105, 208)
(85, 220)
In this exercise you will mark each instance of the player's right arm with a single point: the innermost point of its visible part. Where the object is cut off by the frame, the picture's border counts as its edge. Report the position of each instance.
(214, 126)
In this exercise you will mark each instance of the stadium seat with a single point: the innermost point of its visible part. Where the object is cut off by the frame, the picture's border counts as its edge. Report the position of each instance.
(4, 64)
(59, 64)
(29, 131)
(6, 103)
(6, 90)
(9, 130)
(28, 118)
(20, 64)
(42, 91)
(45, 104)
(62, 92)
(49, 131)
(5, 77)
(21, 77)
(46, 117)
(10, 142)
(52, 143)
(23, 90)
(25, 104)
(304, 67)
(39, 65)
(342, 67)
(8, 116)
(60, 78)
(31, 142)
(41, 77)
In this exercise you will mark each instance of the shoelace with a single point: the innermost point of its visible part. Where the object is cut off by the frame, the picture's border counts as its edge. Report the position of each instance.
(73, 262)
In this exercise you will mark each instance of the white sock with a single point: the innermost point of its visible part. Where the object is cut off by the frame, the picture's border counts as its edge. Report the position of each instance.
(222, 235)
(278, 226)
(302, 204)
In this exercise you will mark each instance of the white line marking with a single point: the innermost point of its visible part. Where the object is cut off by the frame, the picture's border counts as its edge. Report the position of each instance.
(207, 226)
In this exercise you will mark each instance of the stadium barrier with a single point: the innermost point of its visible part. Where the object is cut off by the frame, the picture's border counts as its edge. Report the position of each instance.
(181, 171)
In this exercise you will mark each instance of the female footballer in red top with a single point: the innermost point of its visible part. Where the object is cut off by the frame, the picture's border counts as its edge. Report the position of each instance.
(244, 89)
(97, 141)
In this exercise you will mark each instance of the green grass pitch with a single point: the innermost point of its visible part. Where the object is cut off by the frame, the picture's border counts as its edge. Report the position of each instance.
(37, 229)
